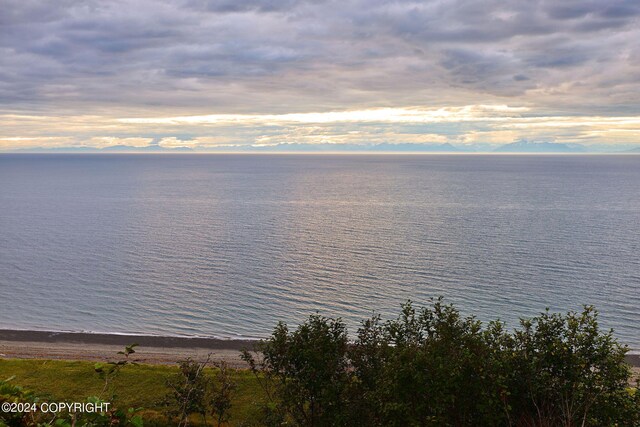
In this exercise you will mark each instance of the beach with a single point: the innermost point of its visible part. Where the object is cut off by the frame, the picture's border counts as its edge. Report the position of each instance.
(16, 344)
(154, 350)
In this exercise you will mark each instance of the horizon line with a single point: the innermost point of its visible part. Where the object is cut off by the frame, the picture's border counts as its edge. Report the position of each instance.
(348, 153)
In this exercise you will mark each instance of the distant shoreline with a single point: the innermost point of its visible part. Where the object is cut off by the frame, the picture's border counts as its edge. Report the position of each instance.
(328, 153)
(90, 338)
(24, 344)
(162, 350)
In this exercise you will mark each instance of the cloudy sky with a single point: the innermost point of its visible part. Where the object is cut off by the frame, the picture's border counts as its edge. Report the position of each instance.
(230, 75)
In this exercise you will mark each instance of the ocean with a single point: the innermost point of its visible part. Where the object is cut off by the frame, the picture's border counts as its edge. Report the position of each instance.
(227, 245)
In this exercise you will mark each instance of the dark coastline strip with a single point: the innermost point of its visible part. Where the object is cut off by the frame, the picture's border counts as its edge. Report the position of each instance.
(112, 339)
(153, 341)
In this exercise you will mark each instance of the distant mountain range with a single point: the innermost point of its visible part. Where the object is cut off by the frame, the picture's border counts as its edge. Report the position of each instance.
(525, 146)
(522, 146)
(431, 148)
(147, 149)
(382, 147)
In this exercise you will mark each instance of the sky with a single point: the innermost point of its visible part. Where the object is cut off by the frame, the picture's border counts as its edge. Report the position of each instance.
(233, 75)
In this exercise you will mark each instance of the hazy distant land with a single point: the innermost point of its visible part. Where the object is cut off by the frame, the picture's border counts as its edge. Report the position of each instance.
(517, 147)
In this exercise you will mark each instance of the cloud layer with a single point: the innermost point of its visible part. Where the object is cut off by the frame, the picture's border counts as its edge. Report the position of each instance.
(226, 73)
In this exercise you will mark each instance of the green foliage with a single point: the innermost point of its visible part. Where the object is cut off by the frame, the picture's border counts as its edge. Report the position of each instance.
(562, 370)
(194, 391)
(222, 393)
(137, 386)
(112, 418)
(33, 417)
(109, 371)
(429, 367)
(432, 366)
(188, 391)
(304, 372)
(11, 393)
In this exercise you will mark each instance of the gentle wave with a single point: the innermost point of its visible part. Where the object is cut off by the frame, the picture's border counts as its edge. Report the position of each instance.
(226, 246)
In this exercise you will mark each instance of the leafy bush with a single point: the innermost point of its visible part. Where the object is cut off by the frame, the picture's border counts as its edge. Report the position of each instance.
(304, 372)
(192, 391)
(188, 391)
(562, 370)
(221, 394)
(432, 366)
(429, 366)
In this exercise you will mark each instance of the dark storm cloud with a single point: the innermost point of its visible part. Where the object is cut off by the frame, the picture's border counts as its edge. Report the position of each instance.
(303, 55)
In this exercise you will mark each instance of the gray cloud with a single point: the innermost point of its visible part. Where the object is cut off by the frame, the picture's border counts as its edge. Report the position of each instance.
(197, 56)
(231, 6)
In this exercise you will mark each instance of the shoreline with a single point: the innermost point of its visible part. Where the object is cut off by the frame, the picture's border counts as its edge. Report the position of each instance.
(90, 338)
(162, 350)
(166, 350)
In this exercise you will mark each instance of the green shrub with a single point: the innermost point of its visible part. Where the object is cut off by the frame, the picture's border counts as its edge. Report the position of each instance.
(562, 370)
(432, 366)
(429, 366)
(194, 391)
(305, 372)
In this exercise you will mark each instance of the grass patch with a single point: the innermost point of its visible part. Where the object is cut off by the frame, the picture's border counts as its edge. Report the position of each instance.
(136, 386)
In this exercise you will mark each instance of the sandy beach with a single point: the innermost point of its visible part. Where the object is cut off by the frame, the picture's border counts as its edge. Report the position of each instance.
(151, 349)
(101, 347)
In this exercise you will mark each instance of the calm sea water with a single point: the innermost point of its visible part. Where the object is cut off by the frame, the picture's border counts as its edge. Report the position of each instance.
(226, 245)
